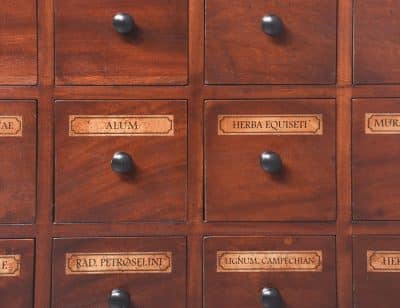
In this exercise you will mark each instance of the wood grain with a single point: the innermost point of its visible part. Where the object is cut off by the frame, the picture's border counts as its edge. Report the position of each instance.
(374, 164)
(90, 52)
(297, 289)
(238, 189)
(87, 190)
(237, 50)
(146, 290)
(18, 37)
(18, 165)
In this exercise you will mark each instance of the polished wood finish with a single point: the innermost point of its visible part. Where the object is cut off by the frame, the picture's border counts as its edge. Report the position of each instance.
(18, 164)
(238, 189)
(18, 291)
(88, 50)
(18, 37)
(374, 289)
(243, 289)
(375, 164)
(145, 289)
(237, 50)
(88, 190)
(376, 39)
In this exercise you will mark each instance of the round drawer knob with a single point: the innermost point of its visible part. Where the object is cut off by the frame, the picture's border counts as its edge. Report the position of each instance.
(122, 162)
(119, 299)
(123, 23)
(272, 25)
(271, 298)
(271, 162)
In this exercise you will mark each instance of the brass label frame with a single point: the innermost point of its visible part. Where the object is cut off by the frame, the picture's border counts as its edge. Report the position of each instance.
(10, 265)
(382, 261)
(17, 126)
(118, 263)
(121, 125)
(269, 261)
(272, 124)
(387, 123)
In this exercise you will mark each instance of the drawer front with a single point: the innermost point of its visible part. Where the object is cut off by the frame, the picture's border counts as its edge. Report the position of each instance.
(18, 34)
(270, 42)
(376, 271)
(376, 40)
(18, 161)
(252, 271)
(270, 160)
(16, 273)
(146, 142)
(90, 49)
(145, 270)
(375, 152)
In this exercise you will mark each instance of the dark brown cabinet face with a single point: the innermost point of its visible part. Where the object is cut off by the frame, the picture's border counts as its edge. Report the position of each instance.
(376, 271)
(376, 40)
(152, 136)
(298, 134)
(238, 51)
(149, 270)
(300, 269)
(18, 161)
(16, 273)
(18, 37)
(90, 51)
(375, 159)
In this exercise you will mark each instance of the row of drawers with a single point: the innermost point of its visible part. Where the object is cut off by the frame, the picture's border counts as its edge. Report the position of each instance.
(254, 42)
(265, 160)
(299, 271)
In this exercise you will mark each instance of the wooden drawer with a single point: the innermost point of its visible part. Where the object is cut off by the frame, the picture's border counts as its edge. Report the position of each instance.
(298, 271)
(376, 41)
(149, 270)
(16, 273)
(238, 51)
(18, 161)
(375, 159)
(147, 181)
(18, 37)
(376, 271)
(90, 51)
(239, 135)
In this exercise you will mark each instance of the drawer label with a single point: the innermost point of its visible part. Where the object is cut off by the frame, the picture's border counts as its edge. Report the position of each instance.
(269, 261)
(383, 261)
(121, 125)
(118, 263)
(277, 124)
(382, 123)
(10, 265)
(10, 126)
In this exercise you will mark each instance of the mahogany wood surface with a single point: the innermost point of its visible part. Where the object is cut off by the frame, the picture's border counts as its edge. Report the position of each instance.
(89, 51)
(375, 164)
(297, 289)
(88, 190)
(237, 50)
(145, 289)
(18, 291)
(238, 189)
(18, 163)
(18, 37)
(374, 289)
(187, 75)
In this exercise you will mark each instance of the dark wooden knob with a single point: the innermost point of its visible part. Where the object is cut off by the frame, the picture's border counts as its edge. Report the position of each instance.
(271, 298)
(123, 23)
(122, 162)
(271, 162)
(119, 299)
(272, 25)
